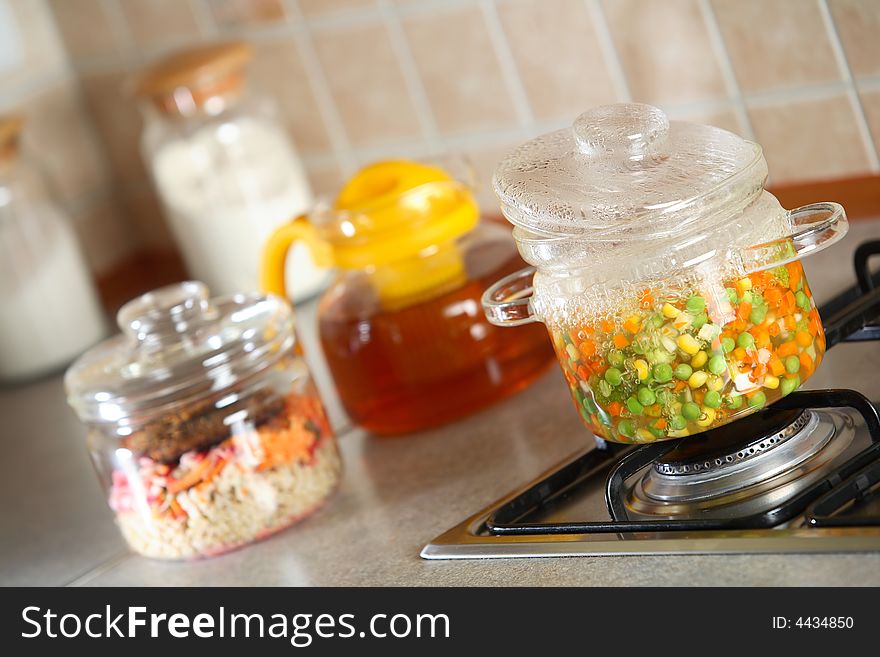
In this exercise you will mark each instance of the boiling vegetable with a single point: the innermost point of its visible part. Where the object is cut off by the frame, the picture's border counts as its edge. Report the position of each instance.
(688, 362)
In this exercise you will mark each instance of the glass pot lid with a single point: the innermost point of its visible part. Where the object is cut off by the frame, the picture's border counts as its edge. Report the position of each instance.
(625, 170)
(177, 345)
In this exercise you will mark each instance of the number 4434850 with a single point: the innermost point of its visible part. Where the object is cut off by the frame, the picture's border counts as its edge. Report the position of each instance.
(814, 622)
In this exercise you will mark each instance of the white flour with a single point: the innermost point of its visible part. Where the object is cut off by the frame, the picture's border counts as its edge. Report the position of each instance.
(49, 312)
(226, 188)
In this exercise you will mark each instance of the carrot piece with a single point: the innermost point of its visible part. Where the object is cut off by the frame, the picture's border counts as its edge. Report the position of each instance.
(191, 478)
(743, 311)
(790, 323)
(679, 386)
(815, 322)
(803, 338)
(632, 325)
(773, 329)
(607, 325)
(740, 354)
(587, 348)
(646, 300)
(776, 366)
(794, 275)
(789, 348)
(583, 372)
(660, 424)
(615, 408)
(806, 363)
(620, 341)
(773, 296)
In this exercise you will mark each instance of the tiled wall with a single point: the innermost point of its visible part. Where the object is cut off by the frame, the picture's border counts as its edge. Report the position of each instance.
(361, 79)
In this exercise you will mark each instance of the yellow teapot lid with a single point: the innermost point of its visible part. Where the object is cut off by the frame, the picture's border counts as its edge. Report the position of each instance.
(395, 209)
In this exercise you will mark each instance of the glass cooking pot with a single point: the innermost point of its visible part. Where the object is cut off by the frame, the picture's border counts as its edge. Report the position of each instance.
(668, 278)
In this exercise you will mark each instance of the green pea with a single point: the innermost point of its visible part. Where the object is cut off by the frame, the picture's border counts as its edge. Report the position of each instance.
(663, 372)
(691, 411)
(683, 371)
(695, 304)
(712, 399)
(717, 364)
(788, 386)
(792, 364)
(728, 344)
(745, 340)
(746, 297)
(613, 376)
(758, 314)
(646, 396)
(663, 396)
(656, 320)
(758, 399)
(698, 321)
(734, 402)
(605, 388)
(678, 422)
(626, 428)
(802, 300)
(732, 296)
(657, 433)
(634, 406)
(616, 358)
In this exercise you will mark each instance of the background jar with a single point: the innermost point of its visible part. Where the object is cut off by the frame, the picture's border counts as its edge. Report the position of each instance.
(49, 309)
(204, 424)
(224, 168)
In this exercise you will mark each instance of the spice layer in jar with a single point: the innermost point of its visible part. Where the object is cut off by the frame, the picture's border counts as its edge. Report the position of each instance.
(209, 467)
(401, 325)
(674, 364)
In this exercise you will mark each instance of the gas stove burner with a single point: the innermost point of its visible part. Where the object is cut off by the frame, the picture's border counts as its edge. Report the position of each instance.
(744, 467)
(724, 447)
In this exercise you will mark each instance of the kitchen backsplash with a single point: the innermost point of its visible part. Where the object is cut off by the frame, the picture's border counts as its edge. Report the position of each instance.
(362, 79)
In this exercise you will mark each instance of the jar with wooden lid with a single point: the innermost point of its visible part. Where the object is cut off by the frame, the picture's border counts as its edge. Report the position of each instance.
(50, 309)
(223, 166)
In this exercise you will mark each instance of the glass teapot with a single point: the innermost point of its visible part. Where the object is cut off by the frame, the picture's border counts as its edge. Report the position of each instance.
(401, 325)
(668, 278)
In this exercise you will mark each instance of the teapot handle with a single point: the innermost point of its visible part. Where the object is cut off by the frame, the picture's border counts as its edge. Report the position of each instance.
(275, 253)
(507, 302)
(815, 227)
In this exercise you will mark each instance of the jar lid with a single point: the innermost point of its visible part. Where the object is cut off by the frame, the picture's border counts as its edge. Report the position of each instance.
(624, 171)
(176, 347)
(194, 68)
(10, 128)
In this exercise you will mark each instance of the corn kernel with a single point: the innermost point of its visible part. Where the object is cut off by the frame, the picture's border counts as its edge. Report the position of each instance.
(669, 311)
(699, 359)
(771, 382)
(645, 435)
(641, 369)
(688, 344)
(678, 434)
(707, 418)
(715, 383)
(697, 379)
(745, 283)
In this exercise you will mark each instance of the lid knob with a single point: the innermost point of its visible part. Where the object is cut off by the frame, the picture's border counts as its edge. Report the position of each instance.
(631, 130)
(169, 310)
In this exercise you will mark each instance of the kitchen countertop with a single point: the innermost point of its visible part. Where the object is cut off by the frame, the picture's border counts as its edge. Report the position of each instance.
(396, 495)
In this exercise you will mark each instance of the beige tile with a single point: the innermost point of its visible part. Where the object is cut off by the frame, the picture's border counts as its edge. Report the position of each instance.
(557, 55)
(105, 233)
(35, 49)
(460, 70)
(85, 26)
(277, 70)
(367, 84)
(326, 181)
(871, 105)
(725, 119)
(147, 217)
(160, 22)
(313, 8)
(858, 24)
(810, 140)
(61, 136)
(246, 12)
(118, 121)
(776, 43)
(665, 50)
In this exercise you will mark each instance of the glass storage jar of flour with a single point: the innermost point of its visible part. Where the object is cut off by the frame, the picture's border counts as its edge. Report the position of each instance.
(49, 311)
(224, 168)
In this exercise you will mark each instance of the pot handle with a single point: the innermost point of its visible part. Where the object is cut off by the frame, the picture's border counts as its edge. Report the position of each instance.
(815, 227)
(507, 302)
